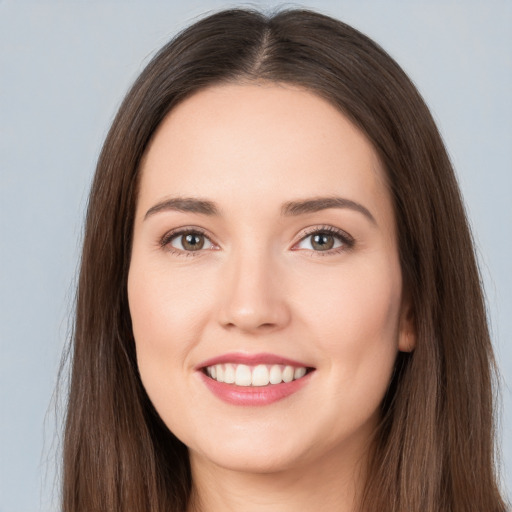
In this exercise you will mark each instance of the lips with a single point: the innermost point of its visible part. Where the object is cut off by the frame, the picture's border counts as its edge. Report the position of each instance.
(260, 375)
(250, 360)
(253, 379)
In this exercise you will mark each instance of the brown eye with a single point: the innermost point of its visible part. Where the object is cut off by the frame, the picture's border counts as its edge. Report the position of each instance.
(326, 239)
(322, 241)
(189, 241)
(192, 242)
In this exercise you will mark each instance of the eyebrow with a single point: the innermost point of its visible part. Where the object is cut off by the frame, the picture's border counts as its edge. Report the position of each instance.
(317, 204)
(288, 209)
(185, 204)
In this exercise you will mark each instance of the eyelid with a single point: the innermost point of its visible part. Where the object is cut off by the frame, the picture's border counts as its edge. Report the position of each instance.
(165, 240)
(346, 239)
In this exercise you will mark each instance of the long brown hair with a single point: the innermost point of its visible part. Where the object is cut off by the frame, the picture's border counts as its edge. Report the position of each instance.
(434, 449)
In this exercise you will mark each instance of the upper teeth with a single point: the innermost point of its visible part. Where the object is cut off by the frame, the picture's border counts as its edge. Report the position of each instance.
(260, 375)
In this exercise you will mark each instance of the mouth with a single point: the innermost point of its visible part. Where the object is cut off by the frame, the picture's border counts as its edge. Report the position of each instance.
(255, 375)
(253, 379)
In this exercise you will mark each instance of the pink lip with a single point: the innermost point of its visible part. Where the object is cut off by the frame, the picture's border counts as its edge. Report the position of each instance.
(250, 360)
(248, 395)
(264, 395)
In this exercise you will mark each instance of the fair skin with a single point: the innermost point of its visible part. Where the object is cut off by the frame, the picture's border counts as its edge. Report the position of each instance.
(252, 279)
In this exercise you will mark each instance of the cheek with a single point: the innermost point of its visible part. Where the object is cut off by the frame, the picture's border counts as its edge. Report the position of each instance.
(355, 321)
(165, 309)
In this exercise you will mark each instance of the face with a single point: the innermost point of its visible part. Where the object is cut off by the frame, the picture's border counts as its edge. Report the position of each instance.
(265, 256)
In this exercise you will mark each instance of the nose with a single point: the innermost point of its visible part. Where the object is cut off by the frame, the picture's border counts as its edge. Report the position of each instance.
(253, 295)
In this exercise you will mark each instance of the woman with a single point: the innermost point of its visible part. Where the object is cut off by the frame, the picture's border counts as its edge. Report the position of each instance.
(279, 306)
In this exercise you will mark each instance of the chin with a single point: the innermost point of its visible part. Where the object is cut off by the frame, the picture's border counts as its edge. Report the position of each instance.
(249, 452)
(252, 459)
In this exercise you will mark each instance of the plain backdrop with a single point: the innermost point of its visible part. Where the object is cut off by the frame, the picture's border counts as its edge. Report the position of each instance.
(64, 68)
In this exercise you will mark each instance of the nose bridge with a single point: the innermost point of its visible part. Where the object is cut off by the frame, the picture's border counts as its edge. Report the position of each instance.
(253, 297)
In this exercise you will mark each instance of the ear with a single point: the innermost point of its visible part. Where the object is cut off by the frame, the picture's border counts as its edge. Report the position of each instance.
(407, 327)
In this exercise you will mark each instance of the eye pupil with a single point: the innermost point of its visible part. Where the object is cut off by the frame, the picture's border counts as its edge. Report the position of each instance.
(193, 242)
(323, 241)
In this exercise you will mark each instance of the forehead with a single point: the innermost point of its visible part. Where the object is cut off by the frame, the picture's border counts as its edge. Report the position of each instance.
(257, 144)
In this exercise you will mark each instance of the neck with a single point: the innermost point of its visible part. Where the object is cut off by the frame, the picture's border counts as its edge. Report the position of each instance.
(333, 484)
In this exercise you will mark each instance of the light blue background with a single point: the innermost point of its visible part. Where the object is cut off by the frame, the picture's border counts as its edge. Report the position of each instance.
(64, 68)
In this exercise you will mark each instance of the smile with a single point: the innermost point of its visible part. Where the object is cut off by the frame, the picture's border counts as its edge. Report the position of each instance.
(257, 379)
(257, 376)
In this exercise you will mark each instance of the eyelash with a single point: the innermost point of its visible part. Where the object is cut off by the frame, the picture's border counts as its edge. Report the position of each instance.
(346, 240)
(168, 237)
